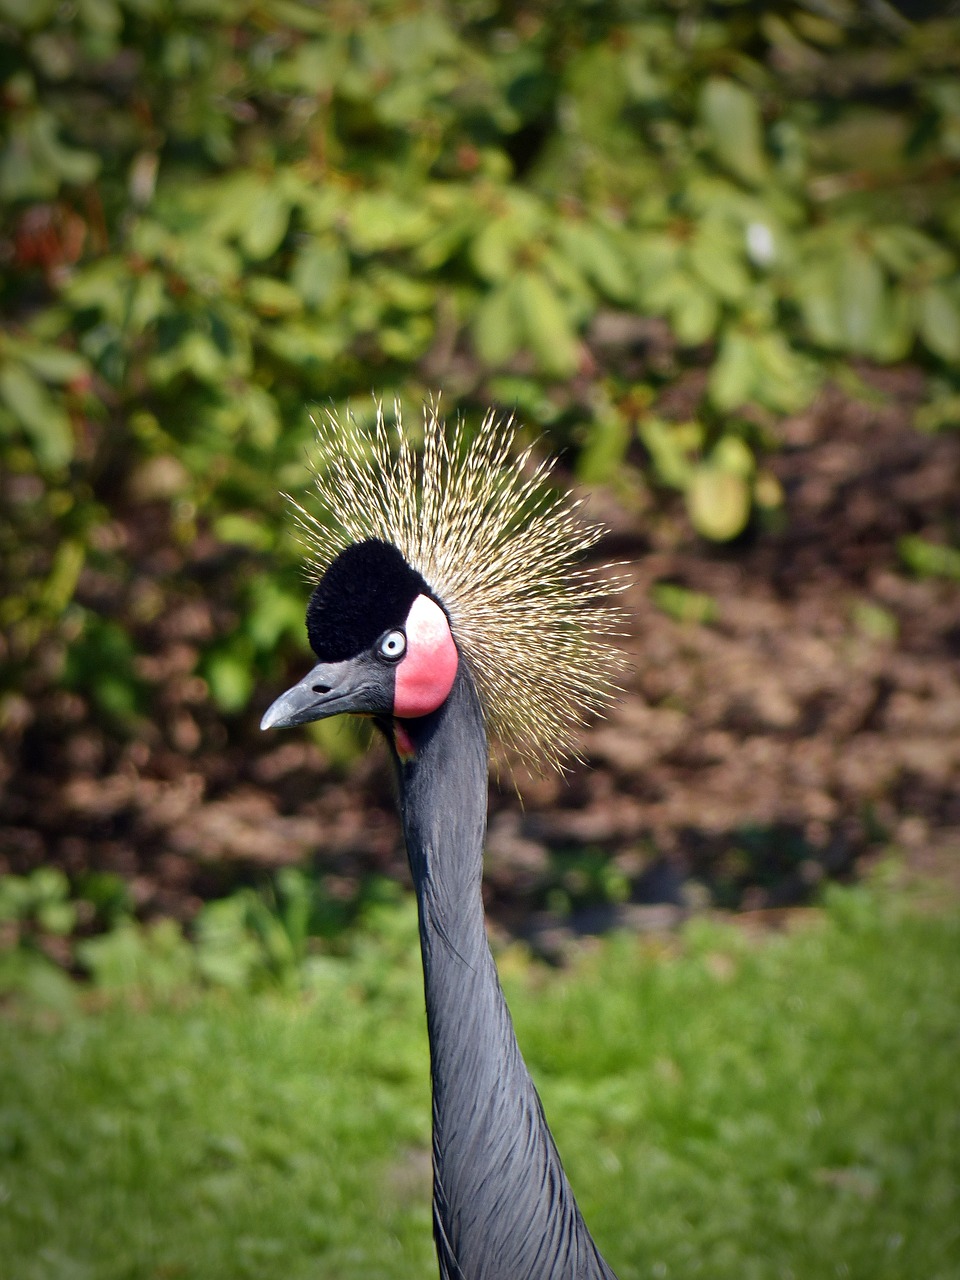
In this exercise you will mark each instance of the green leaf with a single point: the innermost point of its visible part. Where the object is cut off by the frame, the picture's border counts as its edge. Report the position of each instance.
(929, 559)
(314, 66)
(102, 286)
(448, 238)
(100, 664)
(378, 220)
(716, 255)
(860, 293)
(61, 583)
(497, 326)
(943, 411)
(684, 605)
(35, 163)
(273, 613)
(52, 364)
(273, 297)
(101, 16)
(58, 918)
(406, 340)
(41, 983)
(897, 328)
(49, 886)
(228, 953)
(588, 248)
(545, 325)
(653, 256)
(495, 249)
(16, 898)
(732, 120)
(265, 223)
(905, 250)
(732, 453)
(43, 419)
(607, 442)
(155, 957)
(734, 373)
(307, 346)
(718, 502)
(230, 677)
(532, 400)
(694, 313)
(203, 259)
(403, 291)
(569, 281)
(940, 321)
(69, 163)
(816, 293)
(148, 303)
(242, 530)
(783, 379)
(660, 291)
(319, 272)
(196, 353)
(260, 416)
(875, 622)
(671, 446)
(29, 14)
(767, 491)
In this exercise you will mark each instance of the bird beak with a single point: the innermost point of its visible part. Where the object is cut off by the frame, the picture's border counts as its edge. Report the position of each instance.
(330, 689)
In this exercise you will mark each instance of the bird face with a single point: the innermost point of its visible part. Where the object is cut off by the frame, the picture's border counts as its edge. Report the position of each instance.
(383, 641)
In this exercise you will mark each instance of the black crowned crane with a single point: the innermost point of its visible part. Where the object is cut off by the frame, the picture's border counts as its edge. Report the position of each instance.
(449, 602)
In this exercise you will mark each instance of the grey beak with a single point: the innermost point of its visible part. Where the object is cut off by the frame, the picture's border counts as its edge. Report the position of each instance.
(330, 689)
(310, 699)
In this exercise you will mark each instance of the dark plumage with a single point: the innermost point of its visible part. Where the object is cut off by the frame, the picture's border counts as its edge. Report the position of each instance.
(368, 589)
(514, 620)
(502, 1206)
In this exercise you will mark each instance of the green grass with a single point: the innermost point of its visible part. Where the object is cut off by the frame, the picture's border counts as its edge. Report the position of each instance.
(727, 1106)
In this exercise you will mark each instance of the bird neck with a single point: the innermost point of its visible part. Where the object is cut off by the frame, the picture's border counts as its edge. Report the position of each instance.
(502, 1205)
(443, 801)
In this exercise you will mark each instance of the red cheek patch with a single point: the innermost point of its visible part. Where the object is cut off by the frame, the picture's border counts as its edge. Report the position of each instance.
(426, 674)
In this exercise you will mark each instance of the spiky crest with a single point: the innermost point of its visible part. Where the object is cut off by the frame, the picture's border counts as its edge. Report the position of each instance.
(501, 552)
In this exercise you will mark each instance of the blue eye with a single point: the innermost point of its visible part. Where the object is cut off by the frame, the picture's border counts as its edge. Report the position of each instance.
(392, 646)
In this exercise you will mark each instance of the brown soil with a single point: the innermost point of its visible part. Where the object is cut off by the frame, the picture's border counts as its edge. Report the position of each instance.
(812, 723)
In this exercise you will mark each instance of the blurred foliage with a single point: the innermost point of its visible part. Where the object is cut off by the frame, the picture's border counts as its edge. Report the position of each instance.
(929, 559)
(219, 215)
(778, 1102)
(584, 878)
(36, 904)
(44, 905)
(289, 934)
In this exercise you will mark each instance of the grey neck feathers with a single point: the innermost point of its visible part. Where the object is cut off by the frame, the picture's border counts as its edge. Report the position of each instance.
(503, 1209)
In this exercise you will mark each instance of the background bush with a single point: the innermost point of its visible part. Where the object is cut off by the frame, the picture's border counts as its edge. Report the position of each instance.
(219, 215)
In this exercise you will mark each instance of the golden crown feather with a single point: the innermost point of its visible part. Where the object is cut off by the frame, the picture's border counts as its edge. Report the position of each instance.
(502, 551)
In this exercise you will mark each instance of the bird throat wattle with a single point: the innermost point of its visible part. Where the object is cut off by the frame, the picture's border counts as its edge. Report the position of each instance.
(402, 742)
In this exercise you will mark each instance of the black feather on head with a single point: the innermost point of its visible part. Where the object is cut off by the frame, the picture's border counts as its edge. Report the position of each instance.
(367, 590)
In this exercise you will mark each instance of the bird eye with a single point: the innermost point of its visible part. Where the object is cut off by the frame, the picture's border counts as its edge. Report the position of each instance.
(393, 646)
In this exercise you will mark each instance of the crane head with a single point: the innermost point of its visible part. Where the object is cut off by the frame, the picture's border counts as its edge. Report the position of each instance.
(461, 546)
(383, 640)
